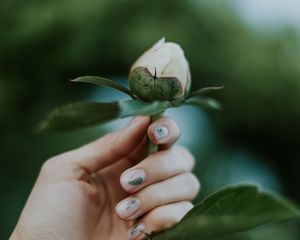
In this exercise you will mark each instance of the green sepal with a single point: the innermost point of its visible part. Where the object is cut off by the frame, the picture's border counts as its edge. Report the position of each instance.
(209, 103)
(79, 115)
(204, 90)
(231, 211)
(152, 88)
(104, 82)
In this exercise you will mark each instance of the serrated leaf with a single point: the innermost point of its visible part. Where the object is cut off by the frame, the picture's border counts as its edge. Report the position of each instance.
(231, 211)
(205, 90)
(209, 103)
(104, 82)
(80, 115)
(137, 107)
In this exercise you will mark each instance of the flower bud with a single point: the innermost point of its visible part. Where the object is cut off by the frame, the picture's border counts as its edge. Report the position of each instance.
(161, 73)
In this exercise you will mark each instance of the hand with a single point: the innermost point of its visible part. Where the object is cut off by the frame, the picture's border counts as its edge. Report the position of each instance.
(106, 190)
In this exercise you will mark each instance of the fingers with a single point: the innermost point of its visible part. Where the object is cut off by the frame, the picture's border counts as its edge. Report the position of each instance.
(164, 132)
(114, 146)
(183, 187)
(110, 148)
(159, 219)
(157, 167)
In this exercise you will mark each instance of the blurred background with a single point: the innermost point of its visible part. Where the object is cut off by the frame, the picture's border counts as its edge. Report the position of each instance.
(250, 47)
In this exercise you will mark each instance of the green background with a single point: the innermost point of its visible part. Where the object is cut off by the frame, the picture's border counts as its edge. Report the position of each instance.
(43, 44)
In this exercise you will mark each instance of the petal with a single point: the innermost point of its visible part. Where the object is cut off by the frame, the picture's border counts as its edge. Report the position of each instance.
(155, 59)
(178, 66)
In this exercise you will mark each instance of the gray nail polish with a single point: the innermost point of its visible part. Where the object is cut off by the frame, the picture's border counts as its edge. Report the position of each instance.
(136, 231)
(129, 207)
(132, 204)
(133, 178)
(136, 181)
(160, 132)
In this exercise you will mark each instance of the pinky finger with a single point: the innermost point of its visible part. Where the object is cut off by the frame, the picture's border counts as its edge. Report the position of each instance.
(159, 219)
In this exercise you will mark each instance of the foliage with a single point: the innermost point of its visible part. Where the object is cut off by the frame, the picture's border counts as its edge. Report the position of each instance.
(87, 114)
(231, 211)
(45, 43)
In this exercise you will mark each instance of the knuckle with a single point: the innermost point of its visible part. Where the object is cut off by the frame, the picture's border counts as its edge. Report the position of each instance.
(186, 206)
(161, 220)
(147, 199)
(165, 166)
(155, 214)
(187, 156)
(194, 183)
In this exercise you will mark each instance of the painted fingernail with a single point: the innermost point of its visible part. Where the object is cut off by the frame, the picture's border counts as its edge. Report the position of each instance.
(128, 207)
(160, 132)
(136, 231)
(133, 178)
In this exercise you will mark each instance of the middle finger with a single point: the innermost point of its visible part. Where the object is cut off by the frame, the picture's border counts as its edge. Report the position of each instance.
(157, 167)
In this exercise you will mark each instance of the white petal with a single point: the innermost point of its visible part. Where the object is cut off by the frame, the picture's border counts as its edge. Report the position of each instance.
(155, 59)
(178, 67)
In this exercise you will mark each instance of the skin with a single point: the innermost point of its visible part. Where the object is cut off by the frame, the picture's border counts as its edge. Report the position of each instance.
(78, 193)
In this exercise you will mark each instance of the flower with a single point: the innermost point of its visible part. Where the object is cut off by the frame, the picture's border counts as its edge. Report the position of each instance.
(158, 80)
(161, 74)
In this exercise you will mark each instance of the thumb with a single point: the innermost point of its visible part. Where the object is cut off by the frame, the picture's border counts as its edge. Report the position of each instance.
(112, 147)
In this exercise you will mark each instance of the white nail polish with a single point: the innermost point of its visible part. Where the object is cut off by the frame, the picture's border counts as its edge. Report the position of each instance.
(136, 231)
(160, 132)
(127, 208)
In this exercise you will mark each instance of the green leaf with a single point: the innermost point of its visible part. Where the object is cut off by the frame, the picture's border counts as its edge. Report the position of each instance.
(137, 107)
(204, 102)
(205, 90)
(88, 114)
(79, 115)
(230, 212)
(104, 82)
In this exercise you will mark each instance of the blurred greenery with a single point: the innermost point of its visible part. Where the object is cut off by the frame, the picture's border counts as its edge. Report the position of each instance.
(43, 44)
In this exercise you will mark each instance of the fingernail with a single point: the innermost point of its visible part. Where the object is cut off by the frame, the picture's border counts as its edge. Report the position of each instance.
(160, 132)
(133, 178)
(126, 208)
(136, 231)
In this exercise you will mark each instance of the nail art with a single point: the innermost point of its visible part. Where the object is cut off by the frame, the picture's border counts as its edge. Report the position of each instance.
(129, 207)
(160, 132)
(136, 181)
(136, 231)
(133, 178)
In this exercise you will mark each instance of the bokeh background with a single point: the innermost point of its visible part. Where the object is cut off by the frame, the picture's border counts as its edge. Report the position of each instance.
(251, 47)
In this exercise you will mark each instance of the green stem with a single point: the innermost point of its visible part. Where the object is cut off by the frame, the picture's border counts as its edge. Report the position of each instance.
(152, 148)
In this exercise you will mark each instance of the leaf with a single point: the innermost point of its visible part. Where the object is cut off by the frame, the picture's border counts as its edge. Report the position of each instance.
(79, 115)
(88, 114)
(209, 103)
(105, 82)
(230, 212)
(137, 107)
(205, 90)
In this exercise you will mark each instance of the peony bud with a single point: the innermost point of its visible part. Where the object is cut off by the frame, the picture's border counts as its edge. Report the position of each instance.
(161, 73)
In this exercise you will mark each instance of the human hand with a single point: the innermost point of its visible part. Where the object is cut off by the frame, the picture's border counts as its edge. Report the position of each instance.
(106, 190)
